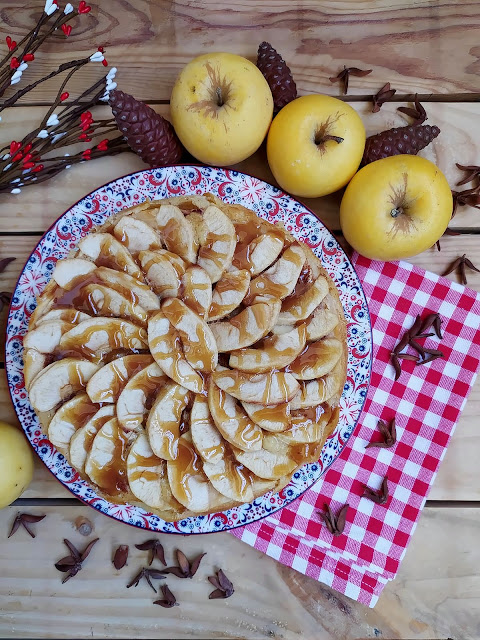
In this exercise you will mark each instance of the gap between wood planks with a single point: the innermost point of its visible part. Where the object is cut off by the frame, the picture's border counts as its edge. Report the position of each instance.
(74, 502)
(399, 97)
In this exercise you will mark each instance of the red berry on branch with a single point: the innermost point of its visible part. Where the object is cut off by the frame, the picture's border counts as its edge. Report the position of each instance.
(104, 62)
(28, 57)
(67, 29)
(27, 147)
(149, 135)
(11, 44)
(27, 157)
(103, 145)
(28, 165)
(14, 147)
(86, 155)
(65, 95)
(101, 49)
(18, 157)
(83, 7)
(39, 167)
(14, 63)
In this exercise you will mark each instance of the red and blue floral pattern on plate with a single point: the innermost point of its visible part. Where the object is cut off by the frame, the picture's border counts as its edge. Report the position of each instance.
(234, 187)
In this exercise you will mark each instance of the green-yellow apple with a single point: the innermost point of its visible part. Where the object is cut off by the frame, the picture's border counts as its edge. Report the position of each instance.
(16, 464)
(315, 145)
(396, 207)
(221, 107)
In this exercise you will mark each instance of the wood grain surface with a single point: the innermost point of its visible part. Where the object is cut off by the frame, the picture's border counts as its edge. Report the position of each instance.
(434, 595)
(39, 206)
(429, 46)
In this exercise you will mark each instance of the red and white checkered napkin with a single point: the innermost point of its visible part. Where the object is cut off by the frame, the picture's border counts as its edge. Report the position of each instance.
(426, 402)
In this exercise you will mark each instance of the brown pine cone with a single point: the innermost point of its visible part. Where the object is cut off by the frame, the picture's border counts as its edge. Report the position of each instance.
(149, 135)
(277, 74)
(394, 142)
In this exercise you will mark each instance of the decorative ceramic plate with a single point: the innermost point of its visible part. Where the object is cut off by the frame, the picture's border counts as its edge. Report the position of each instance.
(231, 186)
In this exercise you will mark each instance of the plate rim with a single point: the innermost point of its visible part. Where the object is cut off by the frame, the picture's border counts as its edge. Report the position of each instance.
(282, 193)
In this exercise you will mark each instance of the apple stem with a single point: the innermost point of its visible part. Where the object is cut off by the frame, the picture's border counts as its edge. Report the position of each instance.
(218, 92)
(396, 212)
(336, 139)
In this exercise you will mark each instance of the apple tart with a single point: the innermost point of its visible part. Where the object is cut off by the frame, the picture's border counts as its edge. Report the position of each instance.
(187, 356)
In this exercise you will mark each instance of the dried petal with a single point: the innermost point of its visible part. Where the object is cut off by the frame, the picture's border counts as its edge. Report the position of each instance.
(402, 344)
(380, 497)
(225, 583)
(156, 574)
(5, 262)
(73, 550)
(168, 600)
(437, 325)
(396, 366)
(382, 96)
(149, 544)
(195, 564)
(418, 347)
(121, 556)
(428, 322)
(341, 519)
(218, 593)
(88, 548)
(183, 562)
(214, 580)
(453, 266)
(418, 113)
(65, 564)
(407, 356)
(16, 523)
(470, 265)
(176, 571)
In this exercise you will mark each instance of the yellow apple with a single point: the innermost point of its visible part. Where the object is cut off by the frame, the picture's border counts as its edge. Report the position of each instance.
(315, 145)
(16, 464)
(396, 207)
(221, 107)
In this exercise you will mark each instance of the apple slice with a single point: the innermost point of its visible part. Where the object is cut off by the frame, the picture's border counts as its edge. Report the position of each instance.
(139, 390)
(164, 421)
(70, 417)
(276, 352)
(197, 290)
(185, 203)
(73, 316)
(137, 292)
(232, 421)
(228, 294)
(46, 337)
(315, 392)
(205, 435)
(101, 300)
(317, 360)
(177, 232)
(218, 240)
(105, 250)
(199, 346)
(97, 337)
(271, 418)
(106, 463)
(271, 388)
(69, 271)
(136, 235)
(188, 482)
(324, 319)
(59, 381)
(33, 364)
(308, 426)
(267, 464)
(280, 279)
(230, 477)
(248, 327)
(82, 439)
(147, 477)
(260, 253)
(166, 347)
(163, 270)
(108, 382)
(299, 307)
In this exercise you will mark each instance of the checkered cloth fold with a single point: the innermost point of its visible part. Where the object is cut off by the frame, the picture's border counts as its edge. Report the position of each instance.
(426, 401)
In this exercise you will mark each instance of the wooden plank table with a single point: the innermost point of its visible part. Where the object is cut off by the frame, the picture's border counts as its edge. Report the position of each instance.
(428, 46)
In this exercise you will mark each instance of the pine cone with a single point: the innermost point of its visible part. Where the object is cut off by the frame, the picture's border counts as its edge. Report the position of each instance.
(277, 74)
(394, 142)
(149, 135)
